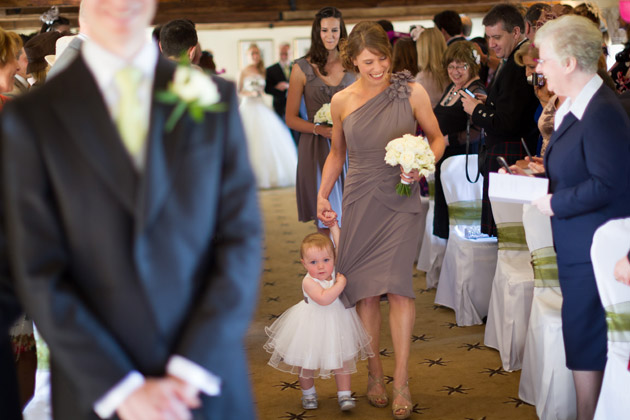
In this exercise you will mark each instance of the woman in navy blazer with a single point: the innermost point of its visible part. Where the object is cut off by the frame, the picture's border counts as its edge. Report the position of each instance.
(589, 183)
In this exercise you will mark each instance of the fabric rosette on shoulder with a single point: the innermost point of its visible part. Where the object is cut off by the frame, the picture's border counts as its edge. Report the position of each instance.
(410, 152)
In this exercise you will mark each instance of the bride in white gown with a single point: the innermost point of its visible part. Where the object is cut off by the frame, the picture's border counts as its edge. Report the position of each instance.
(272, 152)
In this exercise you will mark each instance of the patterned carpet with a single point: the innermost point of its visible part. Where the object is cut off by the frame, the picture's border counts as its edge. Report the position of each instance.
(452, 374)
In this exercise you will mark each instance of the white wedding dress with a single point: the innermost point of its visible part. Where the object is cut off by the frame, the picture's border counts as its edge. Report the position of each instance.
(272, 153)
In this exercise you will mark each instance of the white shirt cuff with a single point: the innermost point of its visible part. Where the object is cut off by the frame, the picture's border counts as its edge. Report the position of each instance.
(194, 374)
(107, 405)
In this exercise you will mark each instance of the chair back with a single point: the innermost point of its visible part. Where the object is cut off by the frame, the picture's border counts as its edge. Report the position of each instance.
(611, 242)
(540, 243)
(462, 197)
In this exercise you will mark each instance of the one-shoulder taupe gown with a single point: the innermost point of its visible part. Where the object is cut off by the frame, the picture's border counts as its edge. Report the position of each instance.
(380, 229)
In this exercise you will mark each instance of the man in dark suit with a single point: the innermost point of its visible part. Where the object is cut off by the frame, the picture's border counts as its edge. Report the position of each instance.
(450, 24)
(135, 249)
(277, 81)
(508, 112)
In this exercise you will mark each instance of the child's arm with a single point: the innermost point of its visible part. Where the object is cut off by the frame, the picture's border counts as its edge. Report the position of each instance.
(335, 232)
(323, 296)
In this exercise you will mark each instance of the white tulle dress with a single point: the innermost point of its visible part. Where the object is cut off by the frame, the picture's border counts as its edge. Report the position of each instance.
(272, 152)
(318, 338)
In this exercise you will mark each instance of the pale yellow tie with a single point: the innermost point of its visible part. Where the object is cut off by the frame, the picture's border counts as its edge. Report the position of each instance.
(132, 124)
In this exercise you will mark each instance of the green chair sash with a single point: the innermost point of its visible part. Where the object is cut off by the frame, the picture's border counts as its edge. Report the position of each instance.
(43, 354)
(511, 237)
(432, 189)
(545, 267)
(465, 213)
(618, 320)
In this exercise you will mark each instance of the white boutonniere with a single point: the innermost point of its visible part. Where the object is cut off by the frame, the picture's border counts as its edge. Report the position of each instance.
(193, 91)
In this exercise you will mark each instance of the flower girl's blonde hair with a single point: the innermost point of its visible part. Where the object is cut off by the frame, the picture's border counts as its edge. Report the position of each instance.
(319, 241)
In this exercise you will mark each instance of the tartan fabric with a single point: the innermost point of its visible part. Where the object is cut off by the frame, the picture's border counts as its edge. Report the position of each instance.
(511, 151)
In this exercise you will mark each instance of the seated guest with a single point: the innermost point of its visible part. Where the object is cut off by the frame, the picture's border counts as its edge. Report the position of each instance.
(461, 63)
(179, 36)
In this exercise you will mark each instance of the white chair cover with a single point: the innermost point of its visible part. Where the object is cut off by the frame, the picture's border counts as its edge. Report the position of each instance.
(433, 247)
(469, 264)
(545, 382)
(610, 243)
(512, 287)
(39, 407)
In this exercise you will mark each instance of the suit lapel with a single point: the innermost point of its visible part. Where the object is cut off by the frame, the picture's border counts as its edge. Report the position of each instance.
(96, 137)
(163, 152)
(567, 122)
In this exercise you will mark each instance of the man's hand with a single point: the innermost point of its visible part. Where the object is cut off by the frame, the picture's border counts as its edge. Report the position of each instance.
(469, 103)
(544, 204)
(159, 399)
(622, 271)
(282, 85)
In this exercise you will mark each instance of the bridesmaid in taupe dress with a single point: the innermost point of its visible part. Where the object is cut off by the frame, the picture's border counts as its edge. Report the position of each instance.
(317, 77)
(380, 229)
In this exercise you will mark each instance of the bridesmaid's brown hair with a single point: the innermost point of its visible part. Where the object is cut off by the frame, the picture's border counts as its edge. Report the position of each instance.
(364, 35)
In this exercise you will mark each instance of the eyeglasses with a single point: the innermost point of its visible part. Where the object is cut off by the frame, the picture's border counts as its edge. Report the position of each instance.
(458, 68)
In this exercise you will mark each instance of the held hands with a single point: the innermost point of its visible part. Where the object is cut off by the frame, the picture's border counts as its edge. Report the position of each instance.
(167, 398)
(622, 271)
(325, 212)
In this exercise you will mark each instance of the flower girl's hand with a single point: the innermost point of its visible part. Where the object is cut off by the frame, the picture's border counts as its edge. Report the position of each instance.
(341, 279)
(410, 177)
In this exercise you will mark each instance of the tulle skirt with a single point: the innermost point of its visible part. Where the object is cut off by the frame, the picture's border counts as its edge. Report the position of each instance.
(313, 341)
(272, 152)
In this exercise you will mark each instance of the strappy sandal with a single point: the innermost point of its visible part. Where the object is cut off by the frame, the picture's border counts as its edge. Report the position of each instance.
(377, 400)
(406, 413)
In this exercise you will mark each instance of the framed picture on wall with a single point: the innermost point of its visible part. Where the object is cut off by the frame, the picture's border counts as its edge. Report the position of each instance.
(300, 47)
(266, 51)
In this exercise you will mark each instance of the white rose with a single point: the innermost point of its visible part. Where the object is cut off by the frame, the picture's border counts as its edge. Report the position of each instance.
(192, 85)
(407, 160)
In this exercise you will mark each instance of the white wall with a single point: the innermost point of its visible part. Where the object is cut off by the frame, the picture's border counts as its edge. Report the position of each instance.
(224, 43)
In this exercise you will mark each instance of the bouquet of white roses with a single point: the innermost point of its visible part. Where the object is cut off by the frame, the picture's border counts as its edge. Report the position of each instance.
(410, 152)
(322, 116)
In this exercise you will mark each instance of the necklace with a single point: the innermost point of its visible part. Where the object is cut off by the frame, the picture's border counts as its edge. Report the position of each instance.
(450, 96)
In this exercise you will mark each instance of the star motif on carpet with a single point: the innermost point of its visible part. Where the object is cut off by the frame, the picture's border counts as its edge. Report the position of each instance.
(476, 346)
(385, 352)
(273, 316)
(422, 337)
(492, 372)
(293, 416)
(438, 362)
(388, 379)
(290, 242)
(470, 418)
(452, 325)
(417, 409)
(270, 283)
(287, 233)
(286, 385)
(459, 389)
(294, 251)
(273, 299)
(516, 401)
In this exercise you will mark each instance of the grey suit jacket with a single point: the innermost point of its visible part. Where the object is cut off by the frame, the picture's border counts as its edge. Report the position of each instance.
(121, 270)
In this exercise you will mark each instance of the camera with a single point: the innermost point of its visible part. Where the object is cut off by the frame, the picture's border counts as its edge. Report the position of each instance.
(536, 79)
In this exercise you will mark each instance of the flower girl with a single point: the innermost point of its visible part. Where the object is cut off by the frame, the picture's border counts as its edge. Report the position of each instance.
(319, 335)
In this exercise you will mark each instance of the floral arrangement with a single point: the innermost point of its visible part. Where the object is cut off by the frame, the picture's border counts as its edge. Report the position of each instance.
(193, 91)
(323, 116)
(410, 152)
